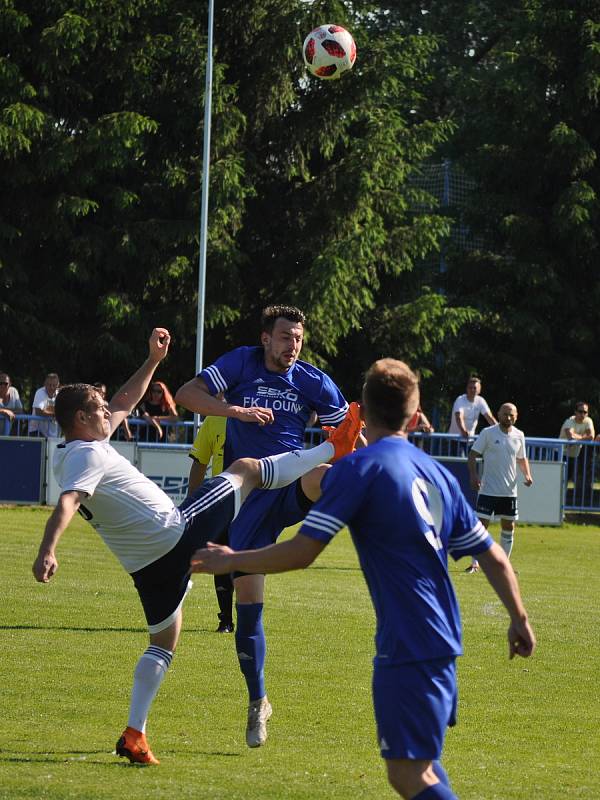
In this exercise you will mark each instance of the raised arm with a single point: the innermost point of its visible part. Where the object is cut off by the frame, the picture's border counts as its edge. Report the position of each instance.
(500, 574)
(45, 565)
(130, 394)
(194, 396)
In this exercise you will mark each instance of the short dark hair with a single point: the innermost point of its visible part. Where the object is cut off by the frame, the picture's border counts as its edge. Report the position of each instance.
(390, 391)
(473, 378)
(581, 403)
(72, 398)
(271, 314)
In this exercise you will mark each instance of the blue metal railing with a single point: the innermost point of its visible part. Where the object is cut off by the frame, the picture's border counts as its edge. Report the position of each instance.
(582, 459)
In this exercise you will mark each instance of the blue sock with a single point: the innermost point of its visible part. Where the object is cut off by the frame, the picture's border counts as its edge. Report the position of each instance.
(440, 773)
(251, 647)
(436, 792)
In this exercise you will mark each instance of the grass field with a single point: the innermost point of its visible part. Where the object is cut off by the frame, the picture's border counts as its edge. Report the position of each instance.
(527, 729)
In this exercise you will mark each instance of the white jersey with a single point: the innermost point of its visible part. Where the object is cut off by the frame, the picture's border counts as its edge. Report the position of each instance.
(500, 451)
(136, 519)
(471, 412)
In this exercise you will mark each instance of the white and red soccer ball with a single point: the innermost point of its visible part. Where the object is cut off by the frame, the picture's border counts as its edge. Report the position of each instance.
(329, 51)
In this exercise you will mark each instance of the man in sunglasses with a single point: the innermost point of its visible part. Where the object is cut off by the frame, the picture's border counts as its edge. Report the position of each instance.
(578, 428)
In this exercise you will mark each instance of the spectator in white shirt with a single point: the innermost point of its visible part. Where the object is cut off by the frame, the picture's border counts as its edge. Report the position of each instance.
(43, 406)
(467, 408)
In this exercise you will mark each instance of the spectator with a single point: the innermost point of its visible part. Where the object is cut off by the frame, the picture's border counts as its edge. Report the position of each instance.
(10, 403)
(467, 408)
(43, 406)
(124, 425)
(577, 428)
(419, 423)
(157, 406)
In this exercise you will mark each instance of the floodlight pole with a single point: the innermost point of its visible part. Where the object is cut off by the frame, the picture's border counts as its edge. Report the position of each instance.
(204, 198)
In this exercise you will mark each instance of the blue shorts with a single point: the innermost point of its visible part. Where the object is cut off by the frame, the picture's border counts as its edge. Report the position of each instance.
(265, 513)
(163, 584)
(414, 704)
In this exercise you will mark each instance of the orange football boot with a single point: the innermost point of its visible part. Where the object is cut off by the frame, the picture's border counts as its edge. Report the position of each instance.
(343, 438)
(133, 745)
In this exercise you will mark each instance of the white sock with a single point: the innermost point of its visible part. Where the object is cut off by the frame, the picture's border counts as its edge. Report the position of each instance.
(147, 678)
(506, 542)
(285, 468)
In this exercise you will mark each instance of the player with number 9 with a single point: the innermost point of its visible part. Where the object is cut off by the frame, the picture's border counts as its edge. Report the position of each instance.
(405, 513)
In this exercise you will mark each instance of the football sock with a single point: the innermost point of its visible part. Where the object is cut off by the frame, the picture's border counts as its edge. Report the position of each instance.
(506, 541)
(148, 676)
(440, 773)
(224, 590)
(436, 792)
(285, 468)
(251, 646)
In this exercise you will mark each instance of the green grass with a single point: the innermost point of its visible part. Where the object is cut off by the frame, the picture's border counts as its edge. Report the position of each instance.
(526, 728)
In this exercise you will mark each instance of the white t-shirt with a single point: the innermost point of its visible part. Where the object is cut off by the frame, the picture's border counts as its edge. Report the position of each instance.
(49, 426)
(136, 519)
(471, 412)
(500, 452)
(586, 426)
(13, 401)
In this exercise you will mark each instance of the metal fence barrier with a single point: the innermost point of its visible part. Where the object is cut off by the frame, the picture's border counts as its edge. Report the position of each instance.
(581, 489)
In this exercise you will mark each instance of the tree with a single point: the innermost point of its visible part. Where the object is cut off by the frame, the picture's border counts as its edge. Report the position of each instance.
(315, 197)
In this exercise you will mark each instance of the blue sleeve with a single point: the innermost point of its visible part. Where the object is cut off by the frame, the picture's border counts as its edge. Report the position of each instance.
(225, 372)
(343, 489)
(468, 536)
(331, 405)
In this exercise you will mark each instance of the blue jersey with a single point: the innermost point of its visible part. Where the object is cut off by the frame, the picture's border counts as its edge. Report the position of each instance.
(405, 513)
(241, 374)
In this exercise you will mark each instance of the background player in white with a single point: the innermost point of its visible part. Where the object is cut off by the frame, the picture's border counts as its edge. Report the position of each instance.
(270, 397)
(502, 448)
(152, 538)
(405, 513)
(468, 407)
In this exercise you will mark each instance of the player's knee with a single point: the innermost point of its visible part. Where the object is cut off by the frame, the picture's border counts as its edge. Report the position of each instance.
(311, 482)
(248, 469)
(409, 777)
(249, 589)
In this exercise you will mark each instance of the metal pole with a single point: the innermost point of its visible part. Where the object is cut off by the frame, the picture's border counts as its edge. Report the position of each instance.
(204, 198)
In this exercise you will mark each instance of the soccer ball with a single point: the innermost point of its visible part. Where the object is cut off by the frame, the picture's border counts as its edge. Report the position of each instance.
(329, 51)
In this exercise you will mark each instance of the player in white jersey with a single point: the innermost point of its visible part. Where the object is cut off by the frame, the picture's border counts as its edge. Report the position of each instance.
(502, 448)
(152, 538)
(405, 513)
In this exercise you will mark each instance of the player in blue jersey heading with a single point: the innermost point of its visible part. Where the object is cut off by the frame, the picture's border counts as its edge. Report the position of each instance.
(270, 396)
(406, 513)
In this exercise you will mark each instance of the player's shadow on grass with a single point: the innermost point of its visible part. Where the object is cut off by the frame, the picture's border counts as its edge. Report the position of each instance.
(78, 629)
(329, 568)
(95, 629)
(108, 759)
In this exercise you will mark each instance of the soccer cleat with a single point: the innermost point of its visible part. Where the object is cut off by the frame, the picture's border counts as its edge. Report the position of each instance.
(133, 745)
(259, 713)
(225, 627)
(474, 567)
(343, 438)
